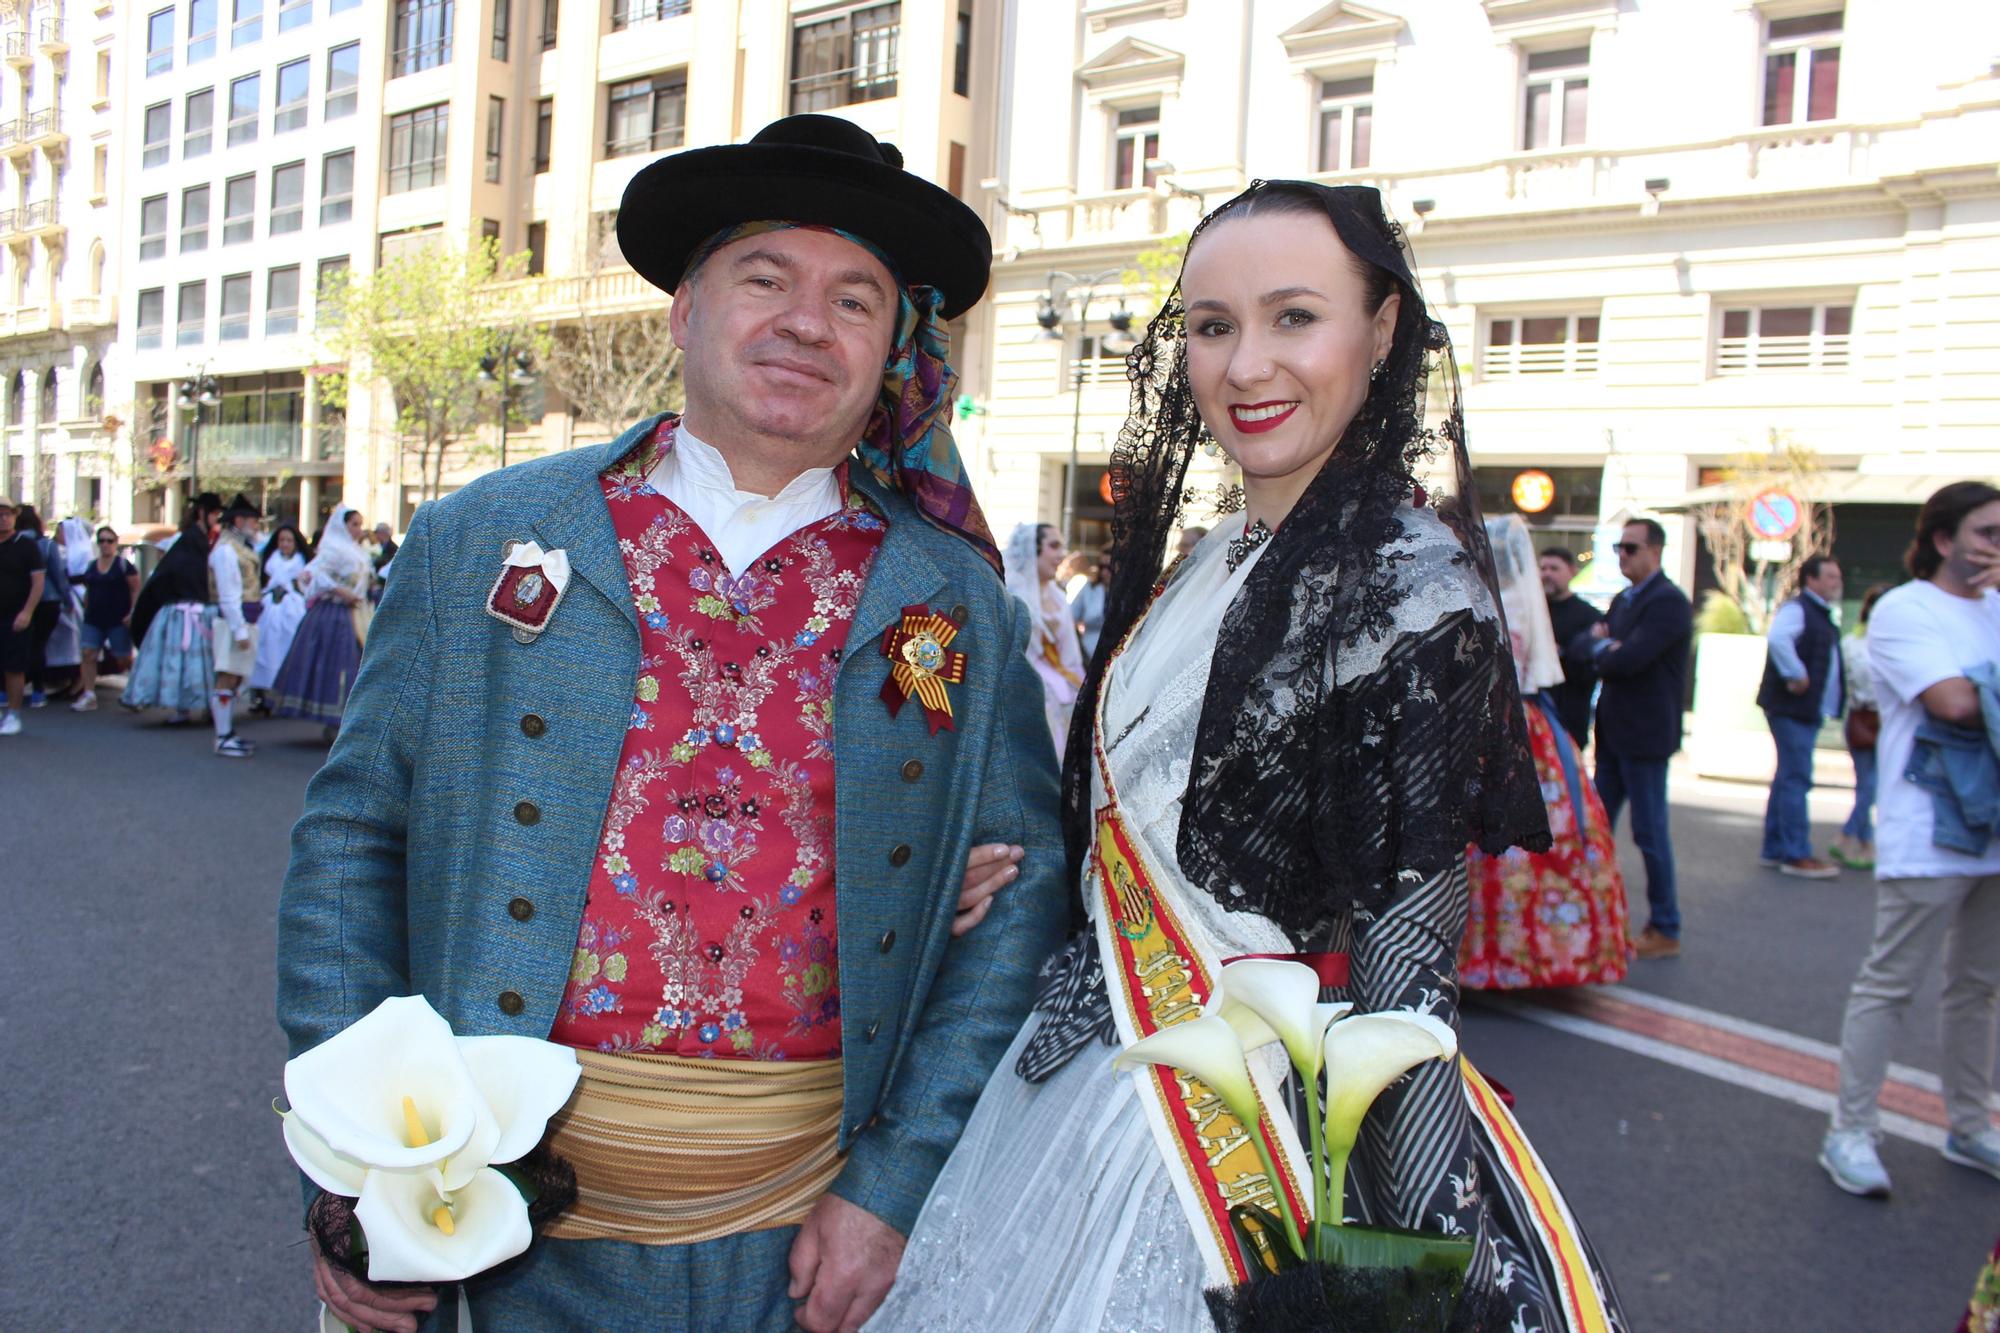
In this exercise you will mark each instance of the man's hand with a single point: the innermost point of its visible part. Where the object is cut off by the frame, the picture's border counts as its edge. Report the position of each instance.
(988, 868)
(369, 1307)
(22, 621)
(1799, 686)
(843, 1263)
(1600, 630)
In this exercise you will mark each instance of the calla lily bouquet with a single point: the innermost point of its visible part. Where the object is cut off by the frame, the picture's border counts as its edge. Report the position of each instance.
(1343, 1061)
(422, 1129)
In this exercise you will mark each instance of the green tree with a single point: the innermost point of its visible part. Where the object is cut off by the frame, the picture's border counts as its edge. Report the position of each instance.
(418, 327)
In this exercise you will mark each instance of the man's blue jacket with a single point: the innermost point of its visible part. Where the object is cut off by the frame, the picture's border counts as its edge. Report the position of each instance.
(446, 847)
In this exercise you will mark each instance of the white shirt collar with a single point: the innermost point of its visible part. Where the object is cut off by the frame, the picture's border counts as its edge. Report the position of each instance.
(694, 462)
(742, 524)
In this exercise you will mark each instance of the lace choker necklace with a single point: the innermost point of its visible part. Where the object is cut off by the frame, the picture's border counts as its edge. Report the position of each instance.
(1240, 548)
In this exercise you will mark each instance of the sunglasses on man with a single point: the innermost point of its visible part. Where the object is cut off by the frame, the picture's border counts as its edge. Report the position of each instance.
(1628, 548)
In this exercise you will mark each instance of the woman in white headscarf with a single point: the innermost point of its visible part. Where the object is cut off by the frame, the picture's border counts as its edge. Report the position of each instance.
(285, 557)
(1554, 918)
(1032, 553)
(326, 652)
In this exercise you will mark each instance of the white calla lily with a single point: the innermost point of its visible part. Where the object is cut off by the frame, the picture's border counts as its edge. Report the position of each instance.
(1285, 995)
(326, 1168)
(408, 1241)
(1365, 1053)
(356, 1090)
(1209, 1049)
(524, 1082)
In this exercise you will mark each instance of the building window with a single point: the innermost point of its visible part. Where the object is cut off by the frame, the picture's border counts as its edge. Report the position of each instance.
(417, 147)
(496, 121)
(103, 76)
(848, 58)
(188, 331)
(239, 208)
(234, 325)
(545, 120)
(328, 284)
(646, 115)
(1784, 338)
(538, 248)
(194, 219)
(549, 10)
(159, 134)
(100, 171)
(288, 198)
(422, 37)
(489, 230)
(153, 227)
(294, 87)
(281, 300)
(294, 14)
(342, 6)
(1346, 122)
(152, 317)
(248, 25)
(1519, 345)
(1135, 147)
(201, 30)
(1558, 98)
(625, 13)
(1094, 363)
(159, 42)
(1810, 46)
(343, 80)
(198, 124)
(961, 51)
(501, 10)
(243, 97)
(336, 187)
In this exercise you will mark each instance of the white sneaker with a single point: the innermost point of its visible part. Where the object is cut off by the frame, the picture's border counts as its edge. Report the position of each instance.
(1979, 1151)
(233, 746)
(1849, 1157)
(10, 723)
(85, 702)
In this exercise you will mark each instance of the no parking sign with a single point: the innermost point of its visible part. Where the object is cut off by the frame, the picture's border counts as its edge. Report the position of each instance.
(1775, 515)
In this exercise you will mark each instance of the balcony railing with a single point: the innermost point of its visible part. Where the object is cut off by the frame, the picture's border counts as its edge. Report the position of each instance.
(1804, 353)
(19, 52)
(251, 440)
(40, 216)
(10, 221)
(1566, 358)
(1088, 370)
(49, 33)
(41, 126)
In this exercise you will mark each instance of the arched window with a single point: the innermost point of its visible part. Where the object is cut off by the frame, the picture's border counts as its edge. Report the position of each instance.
(46, 408)
(17, 398)
(97, 268)
(93, 396)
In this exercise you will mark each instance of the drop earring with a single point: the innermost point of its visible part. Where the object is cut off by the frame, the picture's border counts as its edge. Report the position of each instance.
(1375, 375)
(1209, 446)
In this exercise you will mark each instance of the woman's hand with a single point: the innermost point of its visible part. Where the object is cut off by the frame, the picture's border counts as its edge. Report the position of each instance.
(989, 868)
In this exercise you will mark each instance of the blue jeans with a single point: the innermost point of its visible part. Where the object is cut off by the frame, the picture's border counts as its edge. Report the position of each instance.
(1787, 828)
(1860, 825)
(1645, 782)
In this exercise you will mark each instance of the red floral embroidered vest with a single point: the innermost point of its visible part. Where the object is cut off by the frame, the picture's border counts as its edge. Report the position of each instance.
(709, 929)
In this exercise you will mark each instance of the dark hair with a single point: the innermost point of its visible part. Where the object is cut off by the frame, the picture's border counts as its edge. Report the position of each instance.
(1655, 534)
(1869, 598)
(1814, 564)
(1940, 516)
(1043, 531)
(99, 534)
(27, 520)
(1562, 553)
(1280, 198)
(299, 543)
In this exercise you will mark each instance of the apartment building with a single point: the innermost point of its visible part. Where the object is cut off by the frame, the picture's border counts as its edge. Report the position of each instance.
(1658, 232)
(59, 90)
(524, 120)
(250, 143)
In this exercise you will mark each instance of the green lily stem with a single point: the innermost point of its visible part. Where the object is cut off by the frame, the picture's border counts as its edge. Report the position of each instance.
(1314, 1133)
(1277, 1187)
(1336, 1182)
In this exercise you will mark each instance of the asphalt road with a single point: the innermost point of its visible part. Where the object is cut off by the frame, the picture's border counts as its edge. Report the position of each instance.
(146, 1185)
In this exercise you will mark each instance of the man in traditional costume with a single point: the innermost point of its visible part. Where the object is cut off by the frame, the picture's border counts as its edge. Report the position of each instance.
(235, 589)
(673, 750)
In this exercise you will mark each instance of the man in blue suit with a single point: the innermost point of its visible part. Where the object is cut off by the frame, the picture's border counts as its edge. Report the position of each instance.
(1640, 650)
(488, 830)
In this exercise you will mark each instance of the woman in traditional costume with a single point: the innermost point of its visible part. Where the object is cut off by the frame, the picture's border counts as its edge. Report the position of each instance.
(1289, 752)
(175, 667)
(1554, 918)
(1032, 554)
(319, 669)
(285, 558)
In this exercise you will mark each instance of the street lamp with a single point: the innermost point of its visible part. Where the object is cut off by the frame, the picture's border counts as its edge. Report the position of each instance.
(523, 373)
(197, 391)
(1062, 288)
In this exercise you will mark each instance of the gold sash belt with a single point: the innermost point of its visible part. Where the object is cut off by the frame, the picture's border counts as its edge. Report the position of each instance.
(670, 1151)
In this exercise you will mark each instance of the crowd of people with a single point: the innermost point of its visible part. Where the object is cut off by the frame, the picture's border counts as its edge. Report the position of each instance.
(230, 621)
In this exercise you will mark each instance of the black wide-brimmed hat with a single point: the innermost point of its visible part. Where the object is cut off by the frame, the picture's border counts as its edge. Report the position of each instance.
(820, 170)
(241, 507)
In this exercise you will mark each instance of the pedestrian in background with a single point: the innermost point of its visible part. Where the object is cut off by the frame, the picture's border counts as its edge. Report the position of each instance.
(1855, 847)
(175, 668)
(48, 609)
(1928, 642)
(1801, 689)
(110, 587)
(285, 556)
(1640, 651)
(383, 556)
(1570, 618)
(21, 579)
(1031, 557)
(1087, 607)
(326, 652)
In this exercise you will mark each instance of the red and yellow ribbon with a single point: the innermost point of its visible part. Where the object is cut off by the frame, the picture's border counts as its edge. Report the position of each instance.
(922, 662)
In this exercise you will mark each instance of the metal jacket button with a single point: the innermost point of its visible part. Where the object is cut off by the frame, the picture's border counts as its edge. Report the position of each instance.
(913, 769)
(959, 613)
(527, 812)
(511, 1003)
(873, 1028)
(888, 940)
(532, 725)
(520, 909)
(901, 856)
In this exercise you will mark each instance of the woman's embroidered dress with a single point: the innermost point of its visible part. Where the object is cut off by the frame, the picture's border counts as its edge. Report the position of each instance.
(709, 927)
(1554, 918)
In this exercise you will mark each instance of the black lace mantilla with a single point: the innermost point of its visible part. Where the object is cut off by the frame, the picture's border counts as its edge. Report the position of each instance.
(1307, 796)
